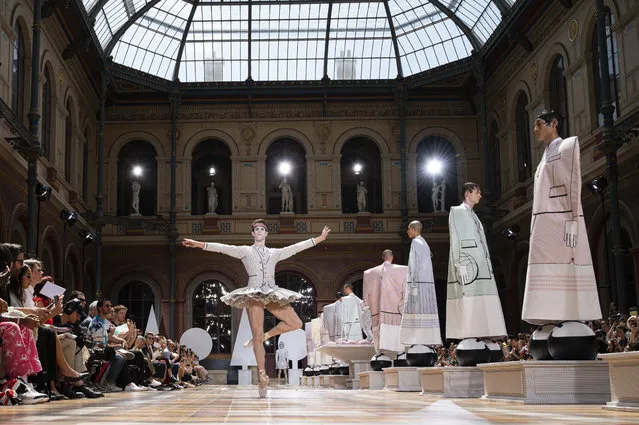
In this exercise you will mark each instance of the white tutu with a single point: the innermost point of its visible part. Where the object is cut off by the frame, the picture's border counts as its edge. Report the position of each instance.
(241, 297)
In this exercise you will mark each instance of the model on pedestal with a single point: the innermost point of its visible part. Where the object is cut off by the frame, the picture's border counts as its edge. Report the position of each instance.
(262, 292)
(281, 361)
(351, 315)
(561, 291)
(384, 293)
(473, 309)
(420, 322)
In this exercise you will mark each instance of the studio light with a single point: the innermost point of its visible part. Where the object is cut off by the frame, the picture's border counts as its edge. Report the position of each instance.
(434, 166)
(511, 232)
(598, 185)
(86, 236)
(357, 168)
(68, 217)
(285, 168)
(211, 171)
(43, 192)
(137, 171)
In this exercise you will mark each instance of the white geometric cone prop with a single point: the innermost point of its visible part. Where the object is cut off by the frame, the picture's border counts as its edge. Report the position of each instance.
(152, 323)
(243, 356)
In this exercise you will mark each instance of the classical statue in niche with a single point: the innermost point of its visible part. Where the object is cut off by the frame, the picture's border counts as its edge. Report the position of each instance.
(211, 192)
(438, 196)
(135, 197)
(287, 196)
(361, 197)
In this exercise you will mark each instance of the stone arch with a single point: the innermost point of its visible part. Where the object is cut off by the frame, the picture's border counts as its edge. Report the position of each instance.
(598, 220)
(15, 224)
(195, 282)
(140, 276)
(18, 15)
(590, 21)
(287, 133)
(73, 256)
(308, 273)
(198, 137)
(350, 272)
(69, 96)
(494, 116)
(130, 136)
(557, 49)
(512, 109)
(51, 240)
(364, 132)
(442, 132)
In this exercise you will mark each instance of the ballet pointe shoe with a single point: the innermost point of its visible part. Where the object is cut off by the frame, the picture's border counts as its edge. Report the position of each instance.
(249, 343)
(262, 387)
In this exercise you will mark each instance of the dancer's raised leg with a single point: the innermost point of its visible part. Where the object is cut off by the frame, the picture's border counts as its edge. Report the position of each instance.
(289, 319)
(255, 312)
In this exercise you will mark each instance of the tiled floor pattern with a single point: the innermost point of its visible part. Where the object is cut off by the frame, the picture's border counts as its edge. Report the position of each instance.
(287, 405)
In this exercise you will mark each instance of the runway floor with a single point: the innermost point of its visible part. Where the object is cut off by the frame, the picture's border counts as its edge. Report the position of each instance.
(287, 405)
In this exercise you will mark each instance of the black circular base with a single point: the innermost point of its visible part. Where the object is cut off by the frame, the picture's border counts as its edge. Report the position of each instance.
(573, 347)
(333, 370)
(344, 370)
(496, 356)
(378, 365)
(421, 359)
(473, 357)
(539, 349)
(400, 363)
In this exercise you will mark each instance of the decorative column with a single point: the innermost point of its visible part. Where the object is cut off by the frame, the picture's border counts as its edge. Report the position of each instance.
(34, 119)
(99, 198)
(609, 145)
(487, 190)
(172, 233)
(401, 97)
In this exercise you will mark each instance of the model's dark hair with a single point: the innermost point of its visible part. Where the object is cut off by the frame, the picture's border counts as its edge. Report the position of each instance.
(468, 187)
(548, 116)
(15, 284)
(258, 221)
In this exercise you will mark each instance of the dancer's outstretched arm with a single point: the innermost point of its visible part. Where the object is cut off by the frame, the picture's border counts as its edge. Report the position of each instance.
(230, 250)
(291, 250)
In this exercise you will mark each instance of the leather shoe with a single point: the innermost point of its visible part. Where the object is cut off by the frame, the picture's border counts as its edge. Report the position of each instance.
(89, 393)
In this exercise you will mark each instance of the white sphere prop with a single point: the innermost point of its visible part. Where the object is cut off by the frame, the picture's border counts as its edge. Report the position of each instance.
(295, 344)
(198, 340)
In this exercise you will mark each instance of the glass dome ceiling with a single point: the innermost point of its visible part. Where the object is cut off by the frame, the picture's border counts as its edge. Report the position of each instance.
(271, 40)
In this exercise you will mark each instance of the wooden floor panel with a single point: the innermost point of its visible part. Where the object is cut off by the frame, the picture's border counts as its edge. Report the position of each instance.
(287, 405)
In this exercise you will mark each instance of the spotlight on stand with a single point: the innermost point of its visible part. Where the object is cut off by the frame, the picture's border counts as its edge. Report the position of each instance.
(68, 217)
(211, 171)
(598, 186)
(511, 232)
(357, 168)
(86, 236)
(43, 192)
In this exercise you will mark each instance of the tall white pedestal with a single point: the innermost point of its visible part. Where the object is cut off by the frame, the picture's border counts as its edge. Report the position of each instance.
(402, 379)
(463, 382)
(371, 380)
(548, 382)
(358, 366)
(244, 377)
(432, 380)
(294, 376)
(624, 380)
(338, 382)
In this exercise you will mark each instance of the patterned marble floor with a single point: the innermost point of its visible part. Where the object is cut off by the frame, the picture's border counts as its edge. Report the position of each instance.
(287, 405)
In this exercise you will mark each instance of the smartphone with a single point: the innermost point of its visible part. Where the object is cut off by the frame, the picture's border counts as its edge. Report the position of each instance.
(56, 298)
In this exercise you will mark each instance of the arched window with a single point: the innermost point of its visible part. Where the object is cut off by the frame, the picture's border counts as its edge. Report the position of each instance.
(47, 114)
(559, 94)
(211, 164)
(70, 264)
(494, 160)
(17, 73)
(137, 297)
(210, 313)
(364, 152)
(435, 185)
(291, 151)
(68, 143)
(137, 154)
(524, 153)
(613, 68)
(85, 167)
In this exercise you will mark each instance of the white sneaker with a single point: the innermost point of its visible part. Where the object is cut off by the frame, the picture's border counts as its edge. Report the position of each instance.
(31, 396)
(154, 383)
(132, 387)
(111, 387)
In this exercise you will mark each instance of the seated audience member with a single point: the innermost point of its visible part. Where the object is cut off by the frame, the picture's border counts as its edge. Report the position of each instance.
(118, 377)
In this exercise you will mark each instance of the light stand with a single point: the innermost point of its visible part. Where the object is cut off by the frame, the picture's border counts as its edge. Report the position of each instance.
(87, 238)
(43, 193)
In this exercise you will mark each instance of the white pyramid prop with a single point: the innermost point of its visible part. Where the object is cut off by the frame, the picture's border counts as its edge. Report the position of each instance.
(243, 356)
(152, 323)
